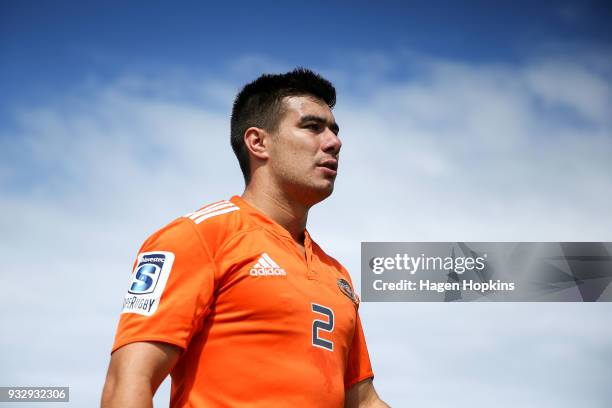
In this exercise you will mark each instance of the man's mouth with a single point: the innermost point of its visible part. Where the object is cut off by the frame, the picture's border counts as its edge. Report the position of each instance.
(330, 164)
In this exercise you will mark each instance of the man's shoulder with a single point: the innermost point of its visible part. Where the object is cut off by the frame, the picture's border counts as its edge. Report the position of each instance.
(212, 223)
(329, 259)
(216, 222)
(218, 213)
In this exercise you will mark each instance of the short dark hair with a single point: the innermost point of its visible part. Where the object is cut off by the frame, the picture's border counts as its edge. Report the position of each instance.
(260, 104)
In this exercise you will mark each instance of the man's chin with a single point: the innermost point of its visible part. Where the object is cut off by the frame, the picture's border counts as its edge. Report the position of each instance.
(311, 195)
(325, 191)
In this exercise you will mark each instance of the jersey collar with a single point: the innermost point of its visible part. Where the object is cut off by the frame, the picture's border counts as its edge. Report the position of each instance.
(265, 221)
(269, 224)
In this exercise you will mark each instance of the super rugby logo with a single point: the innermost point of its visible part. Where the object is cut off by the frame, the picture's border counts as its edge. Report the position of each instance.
(147, 274)
(265, 266)
(147, 282)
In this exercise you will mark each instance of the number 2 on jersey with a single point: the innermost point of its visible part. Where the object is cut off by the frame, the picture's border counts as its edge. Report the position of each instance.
(319, 326)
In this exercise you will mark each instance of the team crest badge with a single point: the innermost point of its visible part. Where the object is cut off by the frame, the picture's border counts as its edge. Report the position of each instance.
(346, 288)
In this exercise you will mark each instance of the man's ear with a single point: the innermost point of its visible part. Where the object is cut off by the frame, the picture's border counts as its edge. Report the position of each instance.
(257, 142)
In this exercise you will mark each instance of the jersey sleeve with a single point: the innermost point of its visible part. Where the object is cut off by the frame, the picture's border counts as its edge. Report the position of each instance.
(170, 289)
(358, 365)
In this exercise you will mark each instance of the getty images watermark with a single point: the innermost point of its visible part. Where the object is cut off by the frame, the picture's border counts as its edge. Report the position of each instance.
(486, 271)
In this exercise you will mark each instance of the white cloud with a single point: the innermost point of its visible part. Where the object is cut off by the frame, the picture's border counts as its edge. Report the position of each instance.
(574, 87)
(453, 151)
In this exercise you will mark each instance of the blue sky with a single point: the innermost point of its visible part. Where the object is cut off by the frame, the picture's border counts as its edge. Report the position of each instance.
(459, 123)
(47, 46)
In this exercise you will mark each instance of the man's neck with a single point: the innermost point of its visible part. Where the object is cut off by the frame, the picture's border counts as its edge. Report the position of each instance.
(286, 212)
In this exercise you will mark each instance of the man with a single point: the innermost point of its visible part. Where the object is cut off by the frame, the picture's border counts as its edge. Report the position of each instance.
(235, 301)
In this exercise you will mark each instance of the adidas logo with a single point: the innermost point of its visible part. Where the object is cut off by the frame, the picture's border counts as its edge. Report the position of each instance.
(265, 266)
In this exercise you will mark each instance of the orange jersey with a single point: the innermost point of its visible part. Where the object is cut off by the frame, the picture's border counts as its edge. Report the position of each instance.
(260, 324)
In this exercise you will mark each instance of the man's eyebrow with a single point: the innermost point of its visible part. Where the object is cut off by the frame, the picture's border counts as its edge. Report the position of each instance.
(319, 119)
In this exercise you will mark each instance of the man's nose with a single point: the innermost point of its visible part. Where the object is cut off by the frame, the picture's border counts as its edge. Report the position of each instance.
(331, 142)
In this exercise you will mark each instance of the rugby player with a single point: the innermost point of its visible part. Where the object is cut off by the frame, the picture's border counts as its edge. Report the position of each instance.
(235, 300)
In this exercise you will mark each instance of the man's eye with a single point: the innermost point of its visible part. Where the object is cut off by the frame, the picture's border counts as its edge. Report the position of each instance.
(313, 126)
